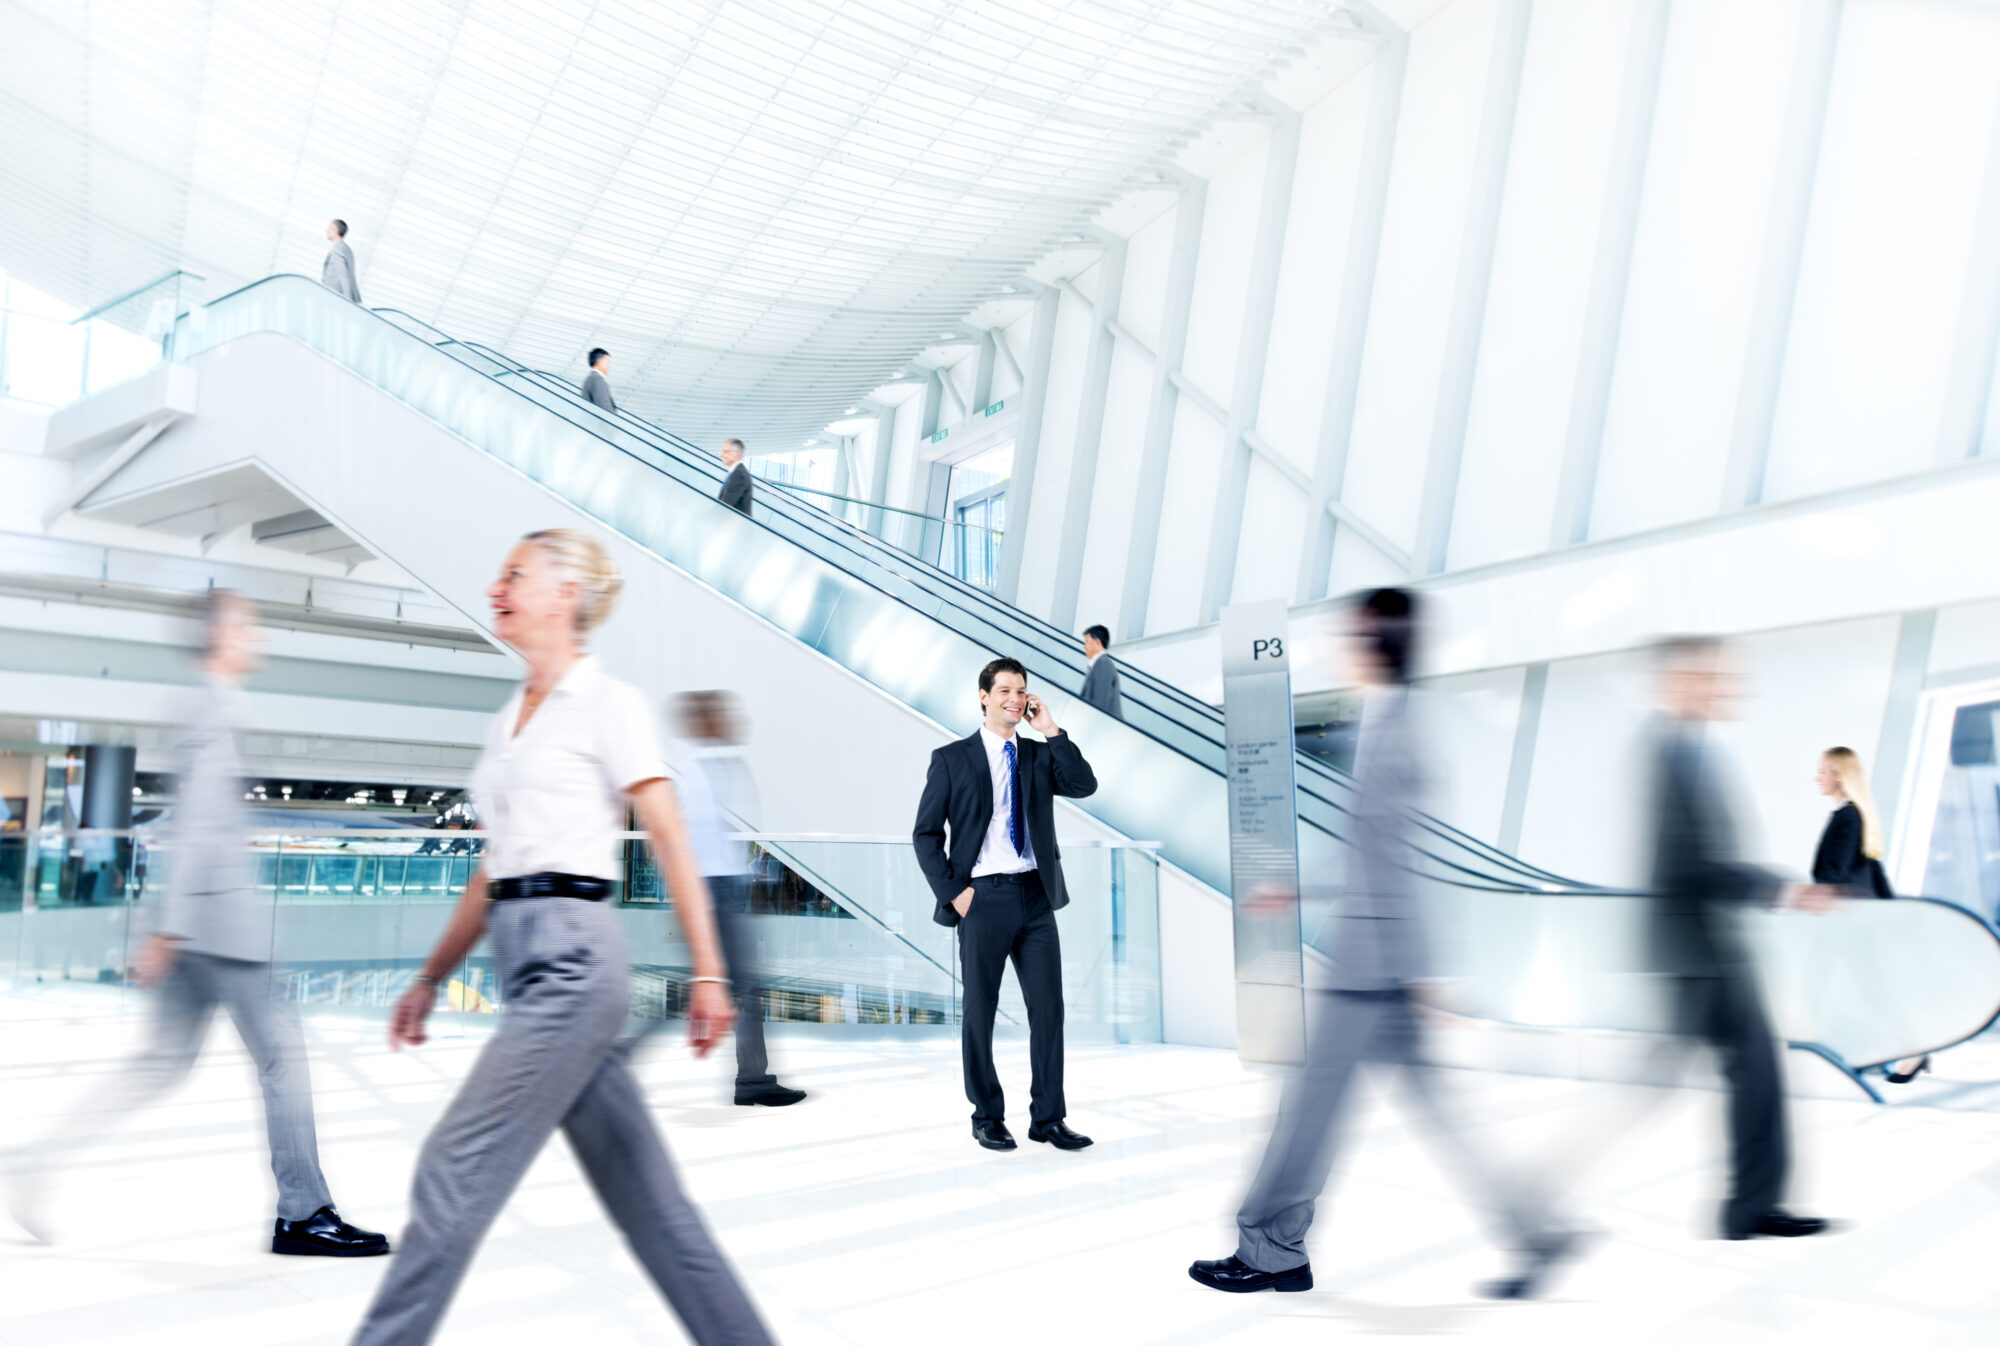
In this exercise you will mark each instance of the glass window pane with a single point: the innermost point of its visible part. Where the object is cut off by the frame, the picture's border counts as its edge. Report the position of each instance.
(117, 355)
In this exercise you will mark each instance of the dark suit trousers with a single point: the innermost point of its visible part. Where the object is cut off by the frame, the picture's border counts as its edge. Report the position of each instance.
(1010, 918)
(1726, 1011)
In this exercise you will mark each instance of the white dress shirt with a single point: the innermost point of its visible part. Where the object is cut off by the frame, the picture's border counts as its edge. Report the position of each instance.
(718, 797)
(552, 798)
(996, 852)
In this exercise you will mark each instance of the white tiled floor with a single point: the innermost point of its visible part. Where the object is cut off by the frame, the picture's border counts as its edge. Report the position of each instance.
(866, 1215)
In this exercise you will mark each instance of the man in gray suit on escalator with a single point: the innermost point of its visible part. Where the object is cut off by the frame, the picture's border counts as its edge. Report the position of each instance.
(735, 491)
(1100, 684)
(597, 383)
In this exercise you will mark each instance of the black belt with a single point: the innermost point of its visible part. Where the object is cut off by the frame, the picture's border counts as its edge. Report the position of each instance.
(550, 885)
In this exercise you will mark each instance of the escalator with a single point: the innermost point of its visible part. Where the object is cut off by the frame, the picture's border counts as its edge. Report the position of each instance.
(1168, 755)
(862, 632)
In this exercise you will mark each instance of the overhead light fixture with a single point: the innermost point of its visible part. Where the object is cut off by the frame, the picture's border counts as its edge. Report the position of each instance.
(852, 410)
(946, 336)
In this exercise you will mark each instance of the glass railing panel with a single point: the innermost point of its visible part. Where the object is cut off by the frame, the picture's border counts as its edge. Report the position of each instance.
(844, 926)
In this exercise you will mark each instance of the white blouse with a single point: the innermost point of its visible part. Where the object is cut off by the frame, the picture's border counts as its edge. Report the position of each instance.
(552, 798)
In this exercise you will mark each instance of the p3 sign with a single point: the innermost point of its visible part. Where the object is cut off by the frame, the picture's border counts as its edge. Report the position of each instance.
(1270, 648)
(1256, 638)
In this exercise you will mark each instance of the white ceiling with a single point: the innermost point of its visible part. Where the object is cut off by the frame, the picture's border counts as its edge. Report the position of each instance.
(763, 208)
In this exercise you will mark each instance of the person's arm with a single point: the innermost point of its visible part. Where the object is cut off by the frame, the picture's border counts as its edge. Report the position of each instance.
(461, 933)
(1070, 774)
(933, 809)
(712, 1009)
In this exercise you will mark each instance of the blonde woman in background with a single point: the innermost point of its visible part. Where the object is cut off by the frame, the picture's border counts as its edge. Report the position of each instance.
(564, 760)
(1850, 849)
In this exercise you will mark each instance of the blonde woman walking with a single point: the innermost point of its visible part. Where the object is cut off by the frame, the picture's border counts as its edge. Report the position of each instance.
(567, 756)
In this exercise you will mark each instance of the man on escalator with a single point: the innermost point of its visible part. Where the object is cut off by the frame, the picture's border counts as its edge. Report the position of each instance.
(597, 383)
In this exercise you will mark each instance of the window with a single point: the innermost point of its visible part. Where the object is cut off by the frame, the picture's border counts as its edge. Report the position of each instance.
(979, 507)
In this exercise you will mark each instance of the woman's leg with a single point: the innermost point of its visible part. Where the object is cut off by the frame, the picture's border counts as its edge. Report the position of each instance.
(561, 1024)
(615, 1141)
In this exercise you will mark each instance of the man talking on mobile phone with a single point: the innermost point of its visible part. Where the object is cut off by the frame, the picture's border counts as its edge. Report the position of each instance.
(986, 840)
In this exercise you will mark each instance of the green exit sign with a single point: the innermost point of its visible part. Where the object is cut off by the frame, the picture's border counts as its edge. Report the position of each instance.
(994, 410)
(940, 436)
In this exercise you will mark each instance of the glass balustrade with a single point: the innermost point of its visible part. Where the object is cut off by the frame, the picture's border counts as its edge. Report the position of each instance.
(843, 925)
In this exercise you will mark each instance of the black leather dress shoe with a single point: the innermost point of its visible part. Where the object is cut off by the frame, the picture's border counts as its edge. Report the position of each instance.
(993, 1135)
(1778, 1224)
(1240, 1278)
(1058, 1135)
(1531, 1274)
(772, 1095)
(325, 1234)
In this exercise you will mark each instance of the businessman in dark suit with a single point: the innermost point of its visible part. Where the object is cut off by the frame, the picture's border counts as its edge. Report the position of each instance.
(735, 491)
(1701, 886)
(597, 383)
(986, 840)
(1100, 684)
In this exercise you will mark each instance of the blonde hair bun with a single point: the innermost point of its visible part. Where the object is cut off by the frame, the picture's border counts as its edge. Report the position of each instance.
(582, 558)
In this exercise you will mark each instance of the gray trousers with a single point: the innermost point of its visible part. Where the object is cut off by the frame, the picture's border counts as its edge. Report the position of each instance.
(1351, 1027)
(184, 1006)
(555, 1062)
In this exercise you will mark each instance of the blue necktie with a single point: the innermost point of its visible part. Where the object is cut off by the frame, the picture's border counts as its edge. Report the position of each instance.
(1015, 830)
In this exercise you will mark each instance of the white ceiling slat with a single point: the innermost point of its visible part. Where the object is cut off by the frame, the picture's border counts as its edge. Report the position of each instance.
(766, 207)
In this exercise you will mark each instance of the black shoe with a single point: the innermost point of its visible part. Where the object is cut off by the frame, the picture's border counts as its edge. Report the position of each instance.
(1532, 1275)
(993, 1135)
(772, 1095)
(1240, 1278)
(1778, 1224)
(1058, 1135)
(1905, 1076)
(325, 1234)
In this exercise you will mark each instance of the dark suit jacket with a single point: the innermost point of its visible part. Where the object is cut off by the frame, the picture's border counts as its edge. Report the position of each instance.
(957, 808)
(1840, 862)
(597, 390)
(1100, 687)
(1699, 884)
(735, 491)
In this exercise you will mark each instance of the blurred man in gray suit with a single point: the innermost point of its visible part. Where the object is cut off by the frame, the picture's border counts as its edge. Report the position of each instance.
(1100, 684)
(337, 271)
(211, 949)
(735, 491)
(1371, 1010)
(597, 383)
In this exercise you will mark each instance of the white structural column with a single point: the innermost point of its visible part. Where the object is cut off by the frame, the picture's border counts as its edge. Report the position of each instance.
(982, 372)
(1253, 348)
(1969, 391)
(1089, 434)
(1163, 398)
(1521, 763)
(1899, 716)
(1027, 446)
(1784, 247)
(1604, 310)
(878, 463)
(1350, 329)
(1475, 276)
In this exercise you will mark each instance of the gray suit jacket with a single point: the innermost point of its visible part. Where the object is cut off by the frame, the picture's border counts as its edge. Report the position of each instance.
(337, 271)
(597, 390)
(735, 491)
(1100, 687)
(212, 902)
(1378, 931)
